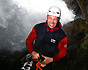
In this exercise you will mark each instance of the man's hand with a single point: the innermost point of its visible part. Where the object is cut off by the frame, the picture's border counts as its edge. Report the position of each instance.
(46, 61)
(35, 55)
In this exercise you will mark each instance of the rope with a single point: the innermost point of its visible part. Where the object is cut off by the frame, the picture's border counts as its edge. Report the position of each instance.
(38, 64)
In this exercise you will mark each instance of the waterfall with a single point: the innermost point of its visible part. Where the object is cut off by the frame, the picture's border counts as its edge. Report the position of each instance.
(17, 18)
(39, 9)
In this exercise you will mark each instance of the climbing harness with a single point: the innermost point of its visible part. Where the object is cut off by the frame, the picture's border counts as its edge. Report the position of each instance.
(27, 62)
(38, 64)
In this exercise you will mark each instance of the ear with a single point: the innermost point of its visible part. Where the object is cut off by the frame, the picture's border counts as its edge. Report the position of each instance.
(47, 16)
(58, 19)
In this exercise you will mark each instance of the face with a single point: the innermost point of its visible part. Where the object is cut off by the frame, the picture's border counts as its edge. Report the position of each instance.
(52, 21)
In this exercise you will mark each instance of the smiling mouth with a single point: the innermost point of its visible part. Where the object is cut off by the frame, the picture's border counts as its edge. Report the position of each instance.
(51, 25)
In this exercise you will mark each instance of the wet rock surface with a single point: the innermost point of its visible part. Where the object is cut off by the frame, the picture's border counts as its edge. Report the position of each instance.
(77, 52)
(73, 4)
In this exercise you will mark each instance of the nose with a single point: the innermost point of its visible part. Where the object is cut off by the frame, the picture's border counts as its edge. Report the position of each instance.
(52, 21)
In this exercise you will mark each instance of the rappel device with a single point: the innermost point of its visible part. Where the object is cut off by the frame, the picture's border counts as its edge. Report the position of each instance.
(27, 62)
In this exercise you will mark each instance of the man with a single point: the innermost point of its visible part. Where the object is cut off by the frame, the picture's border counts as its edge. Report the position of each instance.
(48, 37)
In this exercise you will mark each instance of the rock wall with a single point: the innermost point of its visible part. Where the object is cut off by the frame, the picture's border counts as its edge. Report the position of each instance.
(73, 4)
(77, 52)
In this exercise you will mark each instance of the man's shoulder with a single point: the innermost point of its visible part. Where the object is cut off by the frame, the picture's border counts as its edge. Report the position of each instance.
(40, 24)
(61, 32)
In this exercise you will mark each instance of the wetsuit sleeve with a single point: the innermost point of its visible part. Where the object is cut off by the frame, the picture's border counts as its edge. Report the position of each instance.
(29, 41)
(62, 45)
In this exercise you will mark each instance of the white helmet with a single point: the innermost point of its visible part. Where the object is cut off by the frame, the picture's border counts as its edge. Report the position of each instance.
(54, 11)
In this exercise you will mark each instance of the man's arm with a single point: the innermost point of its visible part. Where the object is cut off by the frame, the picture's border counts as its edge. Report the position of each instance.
(29, 41)
(62, 45)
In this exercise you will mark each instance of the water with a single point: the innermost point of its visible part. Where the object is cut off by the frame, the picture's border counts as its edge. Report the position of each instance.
(17, 18)
(39, 9)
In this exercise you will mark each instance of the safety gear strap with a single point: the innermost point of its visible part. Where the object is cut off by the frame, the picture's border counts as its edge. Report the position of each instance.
(38, 64)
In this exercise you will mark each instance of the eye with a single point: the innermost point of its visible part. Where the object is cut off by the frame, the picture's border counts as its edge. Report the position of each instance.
(49, 11)
(57, 12)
